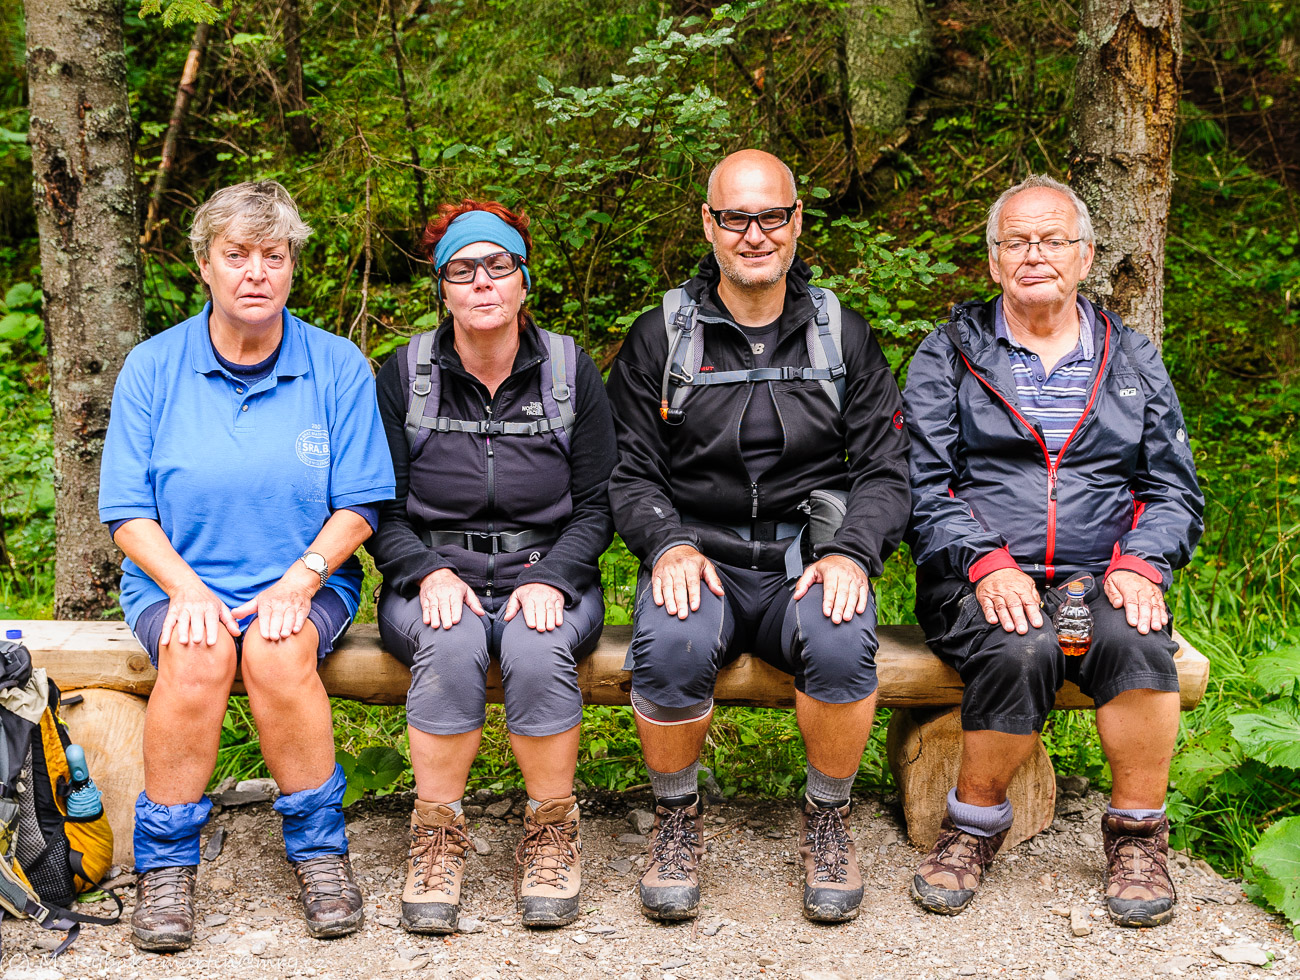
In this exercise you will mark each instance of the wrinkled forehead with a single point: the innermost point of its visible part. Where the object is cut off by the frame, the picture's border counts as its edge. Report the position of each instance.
(1041, 210)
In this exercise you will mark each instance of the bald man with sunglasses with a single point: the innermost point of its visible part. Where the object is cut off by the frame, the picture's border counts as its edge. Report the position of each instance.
(718, 468)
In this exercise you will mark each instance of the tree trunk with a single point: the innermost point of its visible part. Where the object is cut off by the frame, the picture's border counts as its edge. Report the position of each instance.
(1127, 85)
(301, 132)
(85, 195)
(887, 46)
(184, 93)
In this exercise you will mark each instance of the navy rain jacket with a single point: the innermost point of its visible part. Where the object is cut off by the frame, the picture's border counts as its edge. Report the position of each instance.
(986, 494)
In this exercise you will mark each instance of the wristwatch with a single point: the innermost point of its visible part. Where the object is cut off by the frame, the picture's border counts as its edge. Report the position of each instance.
(317, 564)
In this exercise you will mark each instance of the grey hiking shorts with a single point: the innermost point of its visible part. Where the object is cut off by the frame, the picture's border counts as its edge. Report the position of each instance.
(539, 671)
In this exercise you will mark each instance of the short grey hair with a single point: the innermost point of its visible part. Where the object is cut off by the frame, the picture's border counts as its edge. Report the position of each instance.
(254, 211)
(789, 174)
(1082, 218)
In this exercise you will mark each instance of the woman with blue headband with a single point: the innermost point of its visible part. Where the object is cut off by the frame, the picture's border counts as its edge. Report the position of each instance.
(502, 444)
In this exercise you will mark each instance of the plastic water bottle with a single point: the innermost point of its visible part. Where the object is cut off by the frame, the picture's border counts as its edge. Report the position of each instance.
(1074, 622)
(85, 802)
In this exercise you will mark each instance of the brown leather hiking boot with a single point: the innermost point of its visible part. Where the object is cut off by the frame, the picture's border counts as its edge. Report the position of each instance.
(163, 920)
(435, 869)
(832, 883)
(947, 878)
(549, 861)
(1139, 891)
(330, 896)
(670, 887)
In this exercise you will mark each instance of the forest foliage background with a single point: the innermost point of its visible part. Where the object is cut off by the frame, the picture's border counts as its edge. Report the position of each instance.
(601, 118)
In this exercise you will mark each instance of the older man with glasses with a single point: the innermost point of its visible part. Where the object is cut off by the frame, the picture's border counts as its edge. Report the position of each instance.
(761, 481)
(1048, 449)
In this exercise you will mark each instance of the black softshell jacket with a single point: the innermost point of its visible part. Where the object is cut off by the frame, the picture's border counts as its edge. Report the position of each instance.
(463, 481)
(986, 494)
(697, 467)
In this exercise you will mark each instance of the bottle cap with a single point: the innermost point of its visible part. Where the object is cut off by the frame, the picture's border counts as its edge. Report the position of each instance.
(1075, 590)
(13, 634)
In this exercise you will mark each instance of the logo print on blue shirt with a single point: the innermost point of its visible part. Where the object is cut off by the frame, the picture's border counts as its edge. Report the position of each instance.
(313, 446)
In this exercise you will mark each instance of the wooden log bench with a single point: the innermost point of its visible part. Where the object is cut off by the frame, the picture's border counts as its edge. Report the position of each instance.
(103, 663)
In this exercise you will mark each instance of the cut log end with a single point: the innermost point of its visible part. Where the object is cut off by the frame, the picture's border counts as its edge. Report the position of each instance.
(924, 752)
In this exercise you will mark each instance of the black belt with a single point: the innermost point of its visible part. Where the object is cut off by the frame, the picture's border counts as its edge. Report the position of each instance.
(491, 542)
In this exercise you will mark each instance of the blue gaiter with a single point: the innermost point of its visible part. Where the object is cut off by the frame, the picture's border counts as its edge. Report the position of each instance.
(168, 836)
(313, 819)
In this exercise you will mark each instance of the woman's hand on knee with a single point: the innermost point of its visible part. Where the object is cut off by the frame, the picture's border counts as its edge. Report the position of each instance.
(282, 609)
(443, 594)
(194, 615)
(542, 605)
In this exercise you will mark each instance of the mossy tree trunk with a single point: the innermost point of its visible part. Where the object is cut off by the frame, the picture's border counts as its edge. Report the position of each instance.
(1127, 84)
(86, 209)
(886, 48)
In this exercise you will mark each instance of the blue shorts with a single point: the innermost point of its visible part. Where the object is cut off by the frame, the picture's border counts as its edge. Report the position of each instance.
(329, 614)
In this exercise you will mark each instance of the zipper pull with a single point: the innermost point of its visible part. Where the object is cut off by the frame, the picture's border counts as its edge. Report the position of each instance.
(1051, 484)
(487, 440)
(753, 496)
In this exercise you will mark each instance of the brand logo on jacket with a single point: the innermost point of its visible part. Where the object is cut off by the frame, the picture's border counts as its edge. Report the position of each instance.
(898, 421)
(533, 408)
(1127, 392)
(758, 348)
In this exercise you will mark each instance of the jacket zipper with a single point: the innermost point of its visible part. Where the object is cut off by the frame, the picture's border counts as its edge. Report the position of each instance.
(491, 502)
(1053, 466)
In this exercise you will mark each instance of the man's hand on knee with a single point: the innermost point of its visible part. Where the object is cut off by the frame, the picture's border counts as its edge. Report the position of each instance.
(675, 580)
(1142, 600)
(1009, 597)
(845, 587)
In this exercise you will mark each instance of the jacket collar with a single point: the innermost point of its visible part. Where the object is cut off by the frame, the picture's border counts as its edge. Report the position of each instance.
(798, 309)
(531, 350)
(292, 362)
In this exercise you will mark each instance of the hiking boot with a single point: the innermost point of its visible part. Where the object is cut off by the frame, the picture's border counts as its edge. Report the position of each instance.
(832, 884)
(163, 920)
(947, 878)
(670, 887)
(549, 859)
(1139, 891)
(330, 896)
(435, 869)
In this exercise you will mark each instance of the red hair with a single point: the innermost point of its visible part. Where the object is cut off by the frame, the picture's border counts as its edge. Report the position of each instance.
(447, 213)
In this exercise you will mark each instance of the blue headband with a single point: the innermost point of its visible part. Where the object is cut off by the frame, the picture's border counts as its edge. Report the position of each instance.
(480, 226)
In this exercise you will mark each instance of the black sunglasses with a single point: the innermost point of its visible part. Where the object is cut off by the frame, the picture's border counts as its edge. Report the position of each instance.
(739, 221)
(498, 265)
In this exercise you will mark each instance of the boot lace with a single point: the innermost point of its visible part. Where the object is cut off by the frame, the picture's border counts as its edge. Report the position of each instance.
(1137, 861)
(961, 853)
(168, 890)
(436, 863)
(674, 848)
(547, 853)
(828, 840)
(323, 877)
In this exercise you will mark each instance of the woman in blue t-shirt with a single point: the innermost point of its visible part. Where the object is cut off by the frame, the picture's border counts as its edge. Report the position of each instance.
(243, 465)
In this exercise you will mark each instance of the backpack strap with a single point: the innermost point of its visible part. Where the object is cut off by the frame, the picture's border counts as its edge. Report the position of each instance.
(426, 389)
(825, 343)
(18, 899)
(557, 400)
(679, 323)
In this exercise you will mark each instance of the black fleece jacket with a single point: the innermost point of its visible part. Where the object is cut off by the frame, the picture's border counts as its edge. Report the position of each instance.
(531, 482)
(698, 467)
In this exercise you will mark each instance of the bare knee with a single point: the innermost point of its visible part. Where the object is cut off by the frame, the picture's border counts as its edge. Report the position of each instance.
(279, 669)
(196, 672)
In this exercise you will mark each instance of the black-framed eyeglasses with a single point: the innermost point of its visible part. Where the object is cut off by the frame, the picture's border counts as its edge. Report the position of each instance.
(739, 221)
(497, 265)
(1047, 246)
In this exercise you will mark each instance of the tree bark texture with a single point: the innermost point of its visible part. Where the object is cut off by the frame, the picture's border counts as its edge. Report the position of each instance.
(1127, 84)
(86, 209)
(887, 46)
(184, 93)
(301, 133)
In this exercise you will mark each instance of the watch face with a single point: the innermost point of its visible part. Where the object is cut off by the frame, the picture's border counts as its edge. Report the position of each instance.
(315, 562)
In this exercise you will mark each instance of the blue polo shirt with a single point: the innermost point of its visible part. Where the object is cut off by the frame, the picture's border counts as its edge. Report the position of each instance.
(241, 476)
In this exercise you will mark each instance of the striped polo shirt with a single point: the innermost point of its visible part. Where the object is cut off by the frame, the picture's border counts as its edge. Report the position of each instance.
(1055, 401)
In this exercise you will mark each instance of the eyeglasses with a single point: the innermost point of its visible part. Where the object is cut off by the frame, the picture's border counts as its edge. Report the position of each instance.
(498, 265)
(739, 221)
(1048, 246)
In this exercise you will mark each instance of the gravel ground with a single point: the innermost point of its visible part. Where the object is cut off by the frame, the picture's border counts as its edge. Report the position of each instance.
(1037, 916)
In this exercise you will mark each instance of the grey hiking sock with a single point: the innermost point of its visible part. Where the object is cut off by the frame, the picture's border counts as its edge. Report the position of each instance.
(1135, 814)
(684, 782)
(827, 790)
(982, 821)
(454, 805)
